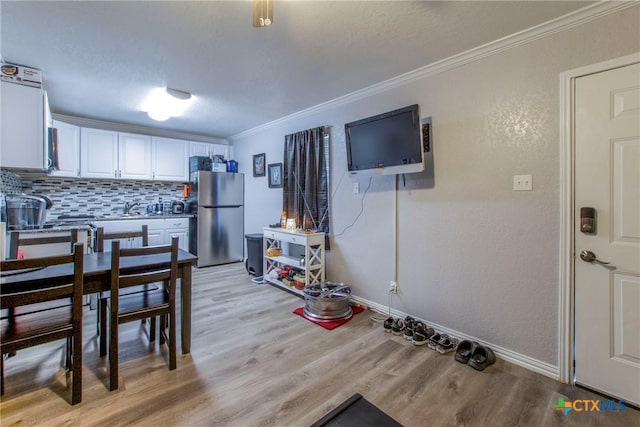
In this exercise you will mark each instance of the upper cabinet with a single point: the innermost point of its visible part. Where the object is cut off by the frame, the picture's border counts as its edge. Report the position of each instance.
(199, 149)
(23, 127)
(98, 153)
(208, 150)
(134, 156)
(68, 150)
(169, 159)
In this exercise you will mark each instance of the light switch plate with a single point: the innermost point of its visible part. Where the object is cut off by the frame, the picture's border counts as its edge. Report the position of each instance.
(356, 187)
(522, 183)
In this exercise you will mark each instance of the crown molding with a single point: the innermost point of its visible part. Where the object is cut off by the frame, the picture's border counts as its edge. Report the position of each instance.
(129, 128)
(562, 23)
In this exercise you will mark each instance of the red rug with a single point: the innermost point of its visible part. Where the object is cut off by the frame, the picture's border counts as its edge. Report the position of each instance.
(331, 324)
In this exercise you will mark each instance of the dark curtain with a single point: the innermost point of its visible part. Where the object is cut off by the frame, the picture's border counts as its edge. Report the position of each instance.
(305, 180)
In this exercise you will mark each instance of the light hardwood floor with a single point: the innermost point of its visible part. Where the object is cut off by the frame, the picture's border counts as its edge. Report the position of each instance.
(254, 363)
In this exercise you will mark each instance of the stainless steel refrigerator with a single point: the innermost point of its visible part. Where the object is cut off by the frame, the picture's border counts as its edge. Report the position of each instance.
(216, 232)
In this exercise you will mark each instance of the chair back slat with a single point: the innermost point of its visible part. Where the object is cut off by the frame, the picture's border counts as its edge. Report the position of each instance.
(165, 270)
(101, 236)
(45, 293)
(144, 278)
(15, 241)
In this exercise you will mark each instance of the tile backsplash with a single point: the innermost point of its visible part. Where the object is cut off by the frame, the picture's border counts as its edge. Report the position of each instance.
(9, 182)
(77, 196)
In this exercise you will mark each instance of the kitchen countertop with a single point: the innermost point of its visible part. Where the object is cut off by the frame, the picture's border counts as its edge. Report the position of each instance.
(133, 217)
(52, 227)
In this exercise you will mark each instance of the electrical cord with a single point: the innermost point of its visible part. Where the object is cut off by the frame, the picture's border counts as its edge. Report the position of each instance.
(382, 319)
(360, 213)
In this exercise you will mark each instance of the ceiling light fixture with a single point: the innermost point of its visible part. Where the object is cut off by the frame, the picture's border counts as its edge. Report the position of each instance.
(262, 13)
(164, 103)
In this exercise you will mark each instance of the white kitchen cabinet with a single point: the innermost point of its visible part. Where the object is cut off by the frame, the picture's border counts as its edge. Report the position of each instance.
(134, 156)
(208, 150)
(198, 149)
(68, 150)
(155, 231)
(169, 159)
(98, 153)
(177, 227)
(23, 127)
(220, 149)
(160, 231)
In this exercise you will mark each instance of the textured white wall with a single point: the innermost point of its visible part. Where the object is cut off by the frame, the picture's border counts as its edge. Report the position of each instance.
(474, 255)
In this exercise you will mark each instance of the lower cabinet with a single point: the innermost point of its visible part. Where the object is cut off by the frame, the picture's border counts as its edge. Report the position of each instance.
(177, 227)
(156, 232)
(160, 231)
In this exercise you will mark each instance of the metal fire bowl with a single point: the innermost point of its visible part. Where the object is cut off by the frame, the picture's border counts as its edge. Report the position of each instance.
(328, 317)
(323, 304)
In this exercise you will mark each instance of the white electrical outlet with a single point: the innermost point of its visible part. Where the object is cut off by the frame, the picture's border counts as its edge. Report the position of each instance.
(522, 183)
(393, 287)
(356, 187)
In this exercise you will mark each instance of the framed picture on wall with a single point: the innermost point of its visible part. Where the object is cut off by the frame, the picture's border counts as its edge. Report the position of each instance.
(275, 175)
(258, 164)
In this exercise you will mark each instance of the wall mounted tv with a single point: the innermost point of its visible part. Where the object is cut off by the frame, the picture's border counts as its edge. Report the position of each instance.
(385, 144)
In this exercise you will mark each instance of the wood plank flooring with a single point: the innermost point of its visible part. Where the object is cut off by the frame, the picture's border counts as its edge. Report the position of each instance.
(254, 363)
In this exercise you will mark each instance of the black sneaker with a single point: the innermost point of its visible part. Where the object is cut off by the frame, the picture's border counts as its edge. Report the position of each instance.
(435, 340)
(446, 345)
(398, 327)
(409, 327)
(388, 323)
(421, 334)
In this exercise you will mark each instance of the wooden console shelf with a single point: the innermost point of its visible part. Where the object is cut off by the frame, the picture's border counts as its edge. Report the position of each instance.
(313, 266)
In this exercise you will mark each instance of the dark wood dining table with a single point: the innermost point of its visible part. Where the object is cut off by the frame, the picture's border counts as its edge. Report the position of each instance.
(97, 267)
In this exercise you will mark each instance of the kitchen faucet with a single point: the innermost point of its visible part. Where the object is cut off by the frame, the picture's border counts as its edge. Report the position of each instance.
(128, 206)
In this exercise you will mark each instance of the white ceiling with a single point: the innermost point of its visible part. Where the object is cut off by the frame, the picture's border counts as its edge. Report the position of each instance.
(100, 59)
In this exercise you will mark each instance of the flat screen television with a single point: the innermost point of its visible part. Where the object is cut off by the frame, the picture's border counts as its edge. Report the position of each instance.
(385, 144)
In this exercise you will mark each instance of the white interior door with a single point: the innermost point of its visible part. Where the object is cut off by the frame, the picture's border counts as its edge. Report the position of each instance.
(607, 178)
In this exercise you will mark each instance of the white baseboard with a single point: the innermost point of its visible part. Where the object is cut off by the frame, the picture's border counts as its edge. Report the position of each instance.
(511, 356)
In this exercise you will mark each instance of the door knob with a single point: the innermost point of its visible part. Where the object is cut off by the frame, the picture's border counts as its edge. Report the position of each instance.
(589, 256)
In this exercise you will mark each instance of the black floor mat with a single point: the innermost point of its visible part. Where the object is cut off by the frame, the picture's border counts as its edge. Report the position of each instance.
(356, 411)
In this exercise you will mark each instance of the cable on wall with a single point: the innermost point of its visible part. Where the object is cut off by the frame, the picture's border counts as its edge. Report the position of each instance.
(360, 213)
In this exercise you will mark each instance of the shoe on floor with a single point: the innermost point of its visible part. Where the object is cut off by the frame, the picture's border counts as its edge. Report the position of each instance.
(388, 323)
(465, 350)
(409, 327)
(434, 340)
(481, 358)
(421, 334)
(398, 327)
(446, 345)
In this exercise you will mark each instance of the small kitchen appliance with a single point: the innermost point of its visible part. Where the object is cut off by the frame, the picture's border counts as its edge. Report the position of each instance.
(177, 207)
(26, 212)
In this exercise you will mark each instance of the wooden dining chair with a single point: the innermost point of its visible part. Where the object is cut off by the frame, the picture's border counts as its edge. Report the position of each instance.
(131, 307)
(101, 318)
(16, 241)
(23, 330)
